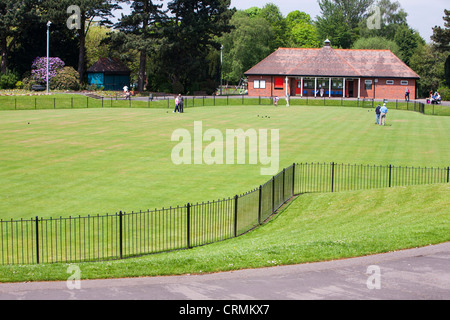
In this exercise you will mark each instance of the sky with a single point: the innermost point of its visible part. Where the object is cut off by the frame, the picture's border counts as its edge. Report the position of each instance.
(423, 15)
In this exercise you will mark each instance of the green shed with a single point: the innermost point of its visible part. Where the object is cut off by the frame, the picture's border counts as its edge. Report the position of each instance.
(110, 73)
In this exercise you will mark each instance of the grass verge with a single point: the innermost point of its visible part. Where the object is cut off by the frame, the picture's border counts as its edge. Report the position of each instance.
(315, 227)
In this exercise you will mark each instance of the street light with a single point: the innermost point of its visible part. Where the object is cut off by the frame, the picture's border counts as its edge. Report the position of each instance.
(48, 51)
(221, 68)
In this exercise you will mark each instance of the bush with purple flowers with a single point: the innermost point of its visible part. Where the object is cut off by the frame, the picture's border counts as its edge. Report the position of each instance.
(39, 69)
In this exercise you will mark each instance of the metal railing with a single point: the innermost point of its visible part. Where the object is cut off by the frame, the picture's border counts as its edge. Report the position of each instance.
(167, 102)
(123, 235)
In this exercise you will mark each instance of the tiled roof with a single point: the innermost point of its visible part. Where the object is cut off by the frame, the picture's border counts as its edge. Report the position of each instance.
(109, 65)
(329, 62)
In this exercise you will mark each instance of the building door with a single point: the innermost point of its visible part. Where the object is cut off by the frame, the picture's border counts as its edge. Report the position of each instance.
(298, 87)
(349, 88)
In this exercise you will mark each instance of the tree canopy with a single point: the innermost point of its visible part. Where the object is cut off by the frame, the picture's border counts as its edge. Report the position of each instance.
(175, 46)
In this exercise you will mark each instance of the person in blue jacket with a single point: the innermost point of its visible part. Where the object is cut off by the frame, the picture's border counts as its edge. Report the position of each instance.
(384, 111)
(378, 112)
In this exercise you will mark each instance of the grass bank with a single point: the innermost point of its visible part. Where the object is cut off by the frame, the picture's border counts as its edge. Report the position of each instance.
(315, 227)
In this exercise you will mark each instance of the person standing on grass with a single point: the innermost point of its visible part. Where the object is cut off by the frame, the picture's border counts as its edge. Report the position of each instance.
(181, 103)
(275, 101)
(177, 105)
(384, 111)
(378, 113)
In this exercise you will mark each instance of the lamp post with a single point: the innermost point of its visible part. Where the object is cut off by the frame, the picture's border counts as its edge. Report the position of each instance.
(48, 51)
(221, 68)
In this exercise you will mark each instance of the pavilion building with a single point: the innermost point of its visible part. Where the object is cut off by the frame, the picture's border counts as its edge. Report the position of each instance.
(328, 72)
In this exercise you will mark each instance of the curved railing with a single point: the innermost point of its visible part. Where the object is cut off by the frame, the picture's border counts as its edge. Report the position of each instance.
(122, 235)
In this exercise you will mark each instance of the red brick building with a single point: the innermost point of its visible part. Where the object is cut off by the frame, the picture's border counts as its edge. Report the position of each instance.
(328, 72)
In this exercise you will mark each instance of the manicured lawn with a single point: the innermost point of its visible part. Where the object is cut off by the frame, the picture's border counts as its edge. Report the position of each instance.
(93, 161)
(88, 161)
(315, 227)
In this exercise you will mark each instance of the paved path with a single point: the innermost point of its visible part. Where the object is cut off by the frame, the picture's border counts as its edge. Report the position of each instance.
(418, 274)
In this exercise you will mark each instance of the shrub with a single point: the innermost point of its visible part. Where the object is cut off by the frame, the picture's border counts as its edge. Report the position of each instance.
(8, 80)
(445, 93)
(39, 69)
(66, 79)
(19, 85)
(28, 82)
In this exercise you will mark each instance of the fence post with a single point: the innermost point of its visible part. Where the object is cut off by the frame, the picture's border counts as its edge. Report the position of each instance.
(188, 225)
(235, 214)
(332, 177)
(37, 240)
(259, 204)
(293, 179)
(273, 194)
(448, 174)
(284, 178)
(121, 234)
(390, 175)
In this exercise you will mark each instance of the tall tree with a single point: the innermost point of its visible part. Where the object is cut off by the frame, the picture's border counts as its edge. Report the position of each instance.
(301, 31)
(14, 16)
(189, 36)
(245, 45)
(429, 65)
(90, 11)
(340, 20)
(441, 40)
(378, 43)
(273, 15)
(441, 36)
(408, 41)
(141, 27)
(390, 14)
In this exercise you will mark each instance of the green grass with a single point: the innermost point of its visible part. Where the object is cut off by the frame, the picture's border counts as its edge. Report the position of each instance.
(92, 161)
(315, 227)
(96, 161)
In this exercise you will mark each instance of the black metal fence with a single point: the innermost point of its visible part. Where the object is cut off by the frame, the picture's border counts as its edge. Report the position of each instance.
(122, 235)
(167, 102)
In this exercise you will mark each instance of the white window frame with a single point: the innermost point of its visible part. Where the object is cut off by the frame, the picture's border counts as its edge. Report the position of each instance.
(259, 84)
(262, 84)
(404, 82)
(390, 82)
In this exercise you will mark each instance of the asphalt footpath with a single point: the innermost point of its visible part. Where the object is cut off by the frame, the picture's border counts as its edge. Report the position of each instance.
(416, 274)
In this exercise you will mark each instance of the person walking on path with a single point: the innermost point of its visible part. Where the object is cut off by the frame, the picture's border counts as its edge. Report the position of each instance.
(384, 111)
(407, 94)
(378, 113)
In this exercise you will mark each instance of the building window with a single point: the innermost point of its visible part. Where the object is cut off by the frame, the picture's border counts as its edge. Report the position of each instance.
(259, 84)
(262, 84)
(368, 84)
(308, 84)
(404, 82)
(390, 82)
(279, 83)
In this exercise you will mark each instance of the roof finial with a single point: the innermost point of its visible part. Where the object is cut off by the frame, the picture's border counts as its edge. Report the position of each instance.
(327, 43)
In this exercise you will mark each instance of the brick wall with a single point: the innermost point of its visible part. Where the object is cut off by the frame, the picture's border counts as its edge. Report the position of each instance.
(269, 86)
(385, 88)
(394, 90)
